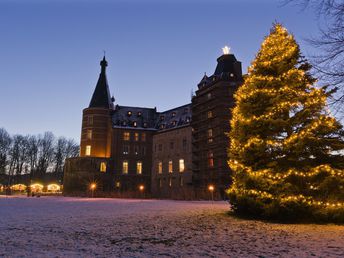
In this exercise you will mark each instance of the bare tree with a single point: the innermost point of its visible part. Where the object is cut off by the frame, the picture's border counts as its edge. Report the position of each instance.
(5, 143)
(64, 149)
(45, 151)
(330, 62)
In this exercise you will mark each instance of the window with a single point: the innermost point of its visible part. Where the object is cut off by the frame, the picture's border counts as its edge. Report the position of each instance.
(210, 159)
(181, 165)
(174, 123)
(160, 182)
(210, 135)
(102, 166)
(118, 184)
(171, 145)
(181, 181)
(170, 166)
(143, 151)
(88, 150)
(125, 149)
(125, 166)
(139, 113)
(126, 136)
(90, 120)
(129, 113)
(136, 137)
(170, 182)
(173, 114)
(184, 143)
(160, 167)
(135, 124)
(139, 167)
(145, 124)
(186, 110)
(162, 126)
(89, 134)
(209, 114)
(162, 118)
(209, 95)
(136, 150)
(143, 137)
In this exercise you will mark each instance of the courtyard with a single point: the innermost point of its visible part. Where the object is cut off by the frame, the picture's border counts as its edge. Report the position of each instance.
(82, 227)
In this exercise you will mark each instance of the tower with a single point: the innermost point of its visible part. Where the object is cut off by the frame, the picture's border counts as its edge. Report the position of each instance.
(211, 112)
(96, 120)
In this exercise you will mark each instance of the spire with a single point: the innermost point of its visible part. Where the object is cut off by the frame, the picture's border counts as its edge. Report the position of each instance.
(101, 96)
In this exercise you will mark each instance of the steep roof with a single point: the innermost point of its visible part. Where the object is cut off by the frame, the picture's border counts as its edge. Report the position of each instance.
(101, 96)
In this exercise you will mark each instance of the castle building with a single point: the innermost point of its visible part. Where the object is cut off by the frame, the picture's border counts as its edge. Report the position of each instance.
(138, 151)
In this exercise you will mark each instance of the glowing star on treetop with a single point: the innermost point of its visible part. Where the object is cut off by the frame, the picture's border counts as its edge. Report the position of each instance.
(226, 50)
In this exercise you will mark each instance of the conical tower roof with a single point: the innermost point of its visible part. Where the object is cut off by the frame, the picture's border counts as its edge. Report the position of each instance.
(101, 96)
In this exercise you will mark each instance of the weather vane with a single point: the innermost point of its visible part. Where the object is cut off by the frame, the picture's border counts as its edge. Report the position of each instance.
(226, 50)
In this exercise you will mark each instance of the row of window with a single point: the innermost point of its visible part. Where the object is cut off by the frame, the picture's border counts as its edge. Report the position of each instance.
(125, 167)
(126, 136)
(180, 182)
(171, 145)
(181, 167)
(136, 150)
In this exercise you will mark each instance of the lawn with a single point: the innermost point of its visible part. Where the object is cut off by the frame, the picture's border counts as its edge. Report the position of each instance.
(81, 227)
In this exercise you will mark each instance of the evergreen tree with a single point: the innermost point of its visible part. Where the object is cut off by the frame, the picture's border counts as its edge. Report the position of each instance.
(285, 147)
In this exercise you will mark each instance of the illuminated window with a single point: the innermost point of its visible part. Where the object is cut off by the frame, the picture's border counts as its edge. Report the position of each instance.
(88, 150)
(210, 135)
(210, 159)
(174, 123)
(173, 114)
(135, 124)
(90, 120)
(89, 134)
(103, 167)
(126, 136)
(160, 167)
(170, 182)
(125, 149)
(145, 124)
(118, 184)
(139, 167)
(129, 113)
(210, 114)
(170, 166)
(139, 113)
(125, 167)
(143, 137)
(181, 165)
(136, 137)
(209, 95)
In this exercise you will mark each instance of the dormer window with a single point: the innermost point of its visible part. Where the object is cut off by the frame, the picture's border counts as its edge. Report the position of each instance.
(162, 126)
(186, 110)
(124, 123)
(139, 113)
(129, 113)
(145, 124)
(174, 123)
(209, 95)
(173, 114)
(135, 124)
(162, 118)
(214, 79)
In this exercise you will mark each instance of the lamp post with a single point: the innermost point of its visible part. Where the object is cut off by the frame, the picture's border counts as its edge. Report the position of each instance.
(142, 188)
(211, 189)
(93, 186)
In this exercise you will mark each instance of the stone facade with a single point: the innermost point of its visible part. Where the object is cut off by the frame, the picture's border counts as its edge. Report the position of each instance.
(140, 152)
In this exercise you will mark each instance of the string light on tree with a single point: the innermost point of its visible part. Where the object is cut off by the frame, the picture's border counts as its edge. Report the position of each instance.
(285, 147)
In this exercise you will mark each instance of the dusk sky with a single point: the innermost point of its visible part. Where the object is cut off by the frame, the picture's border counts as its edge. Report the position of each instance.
(157, 52)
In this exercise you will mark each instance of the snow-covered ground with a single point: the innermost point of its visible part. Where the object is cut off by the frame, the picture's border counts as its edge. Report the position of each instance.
(80, 227)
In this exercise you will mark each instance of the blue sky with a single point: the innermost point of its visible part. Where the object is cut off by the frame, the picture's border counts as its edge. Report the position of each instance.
(157, 52)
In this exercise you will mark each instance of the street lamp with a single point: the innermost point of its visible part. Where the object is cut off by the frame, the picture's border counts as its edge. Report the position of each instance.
(211, 189)
(141, 188)
(93, 187)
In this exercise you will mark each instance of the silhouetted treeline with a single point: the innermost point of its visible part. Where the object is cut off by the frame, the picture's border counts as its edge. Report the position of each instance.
(34, 154)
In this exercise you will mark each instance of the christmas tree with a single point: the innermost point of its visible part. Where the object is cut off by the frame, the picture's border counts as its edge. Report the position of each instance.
(285, 147)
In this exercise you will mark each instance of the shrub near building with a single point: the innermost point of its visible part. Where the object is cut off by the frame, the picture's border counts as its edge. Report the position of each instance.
(285, 147)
